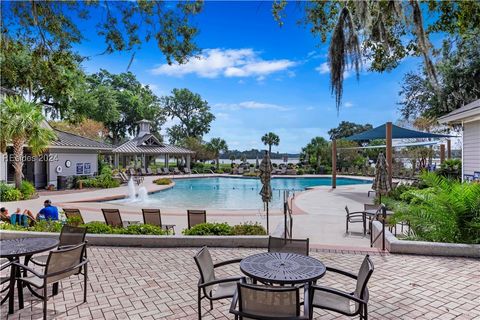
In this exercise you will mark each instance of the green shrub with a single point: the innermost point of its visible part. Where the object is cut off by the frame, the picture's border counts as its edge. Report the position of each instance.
(39, 226)
(98, 227)
(219, 171)
(11, 194)
(27, 189)
(300, 172)
(104, 180)
(162, 181)
(311, 171)
(143, 229)
(227, 170)
(250, 174)
(209, 229)
(451, 169)
(445, 211)
(249, 229)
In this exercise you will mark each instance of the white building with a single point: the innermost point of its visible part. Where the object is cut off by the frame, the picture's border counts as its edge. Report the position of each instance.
(468, 117)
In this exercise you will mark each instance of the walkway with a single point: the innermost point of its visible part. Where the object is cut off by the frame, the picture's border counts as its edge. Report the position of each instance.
(319, 214)
(134, 283)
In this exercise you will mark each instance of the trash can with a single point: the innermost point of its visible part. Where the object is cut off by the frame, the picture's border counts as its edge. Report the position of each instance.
(62, 182)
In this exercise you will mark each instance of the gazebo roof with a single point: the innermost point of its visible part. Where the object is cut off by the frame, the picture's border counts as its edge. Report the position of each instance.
(149, 144)
(397, 133)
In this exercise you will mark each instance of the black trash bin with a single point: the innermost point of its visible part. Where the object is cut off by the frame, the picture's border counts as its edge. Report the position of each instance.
(62, 182)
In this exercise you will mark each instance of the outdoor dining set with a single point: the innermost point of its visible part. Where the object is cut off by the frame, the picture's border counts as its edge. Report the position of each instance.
(282, 283)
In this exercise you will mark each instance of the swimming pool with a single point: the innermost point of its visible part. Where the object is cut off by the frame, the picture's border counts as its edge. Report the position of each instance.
(231, 193)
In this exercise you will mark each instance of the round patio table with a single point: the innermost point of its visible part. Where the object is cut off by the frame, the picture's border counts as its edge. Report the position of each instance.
(282, 268)
(13, 249)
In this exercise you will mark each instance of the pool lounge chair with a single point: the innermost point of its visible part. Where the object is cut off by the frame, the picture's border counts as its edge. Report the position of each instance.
(240, 171)
(123, 177)
(142, 172)
(150, 171)
(176, 171)
(187, 170)
(166, 170)
(114, 219)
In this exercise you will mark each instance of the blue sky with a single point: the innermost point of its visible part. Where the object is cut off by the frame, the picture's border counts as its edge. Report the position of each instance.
(259, 77)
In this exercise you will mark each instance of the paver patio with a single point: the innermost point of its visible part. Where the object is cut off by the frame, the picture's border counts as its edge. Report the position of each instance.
(139, 283)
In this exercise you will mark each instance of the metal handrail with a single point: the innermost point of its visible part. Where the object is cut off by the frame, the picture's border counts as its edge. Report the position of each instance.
(383, 209)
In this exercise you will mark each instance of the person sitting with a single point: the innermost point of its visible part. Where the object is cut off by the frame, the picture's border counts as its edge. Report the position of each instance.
(49, 212)
(18, 218)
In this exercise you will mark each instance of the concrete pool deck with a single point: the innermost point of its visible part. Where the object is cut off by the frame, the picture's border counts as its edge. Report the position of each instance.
(318, 213)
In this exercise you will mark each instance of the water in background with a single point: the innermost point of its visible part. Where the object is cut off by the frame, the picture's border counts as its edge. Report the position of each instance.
(230, 193)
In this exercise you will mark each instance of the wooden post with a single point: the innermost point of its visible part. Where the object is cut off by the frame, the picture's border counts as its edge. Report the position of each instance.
(442, 153)
(334, 164)
(388, 138)
(449, 149)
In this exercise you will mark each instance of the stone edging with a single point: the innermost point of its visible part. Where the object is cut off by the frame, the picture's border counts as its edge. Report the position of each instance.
(127, 240)
(394, 245)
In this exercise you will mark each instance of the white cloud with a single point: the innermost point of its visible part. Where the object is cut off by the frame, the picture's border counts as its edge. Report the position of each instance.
(324, 68)
(213, 63)
(348, 104)
(250, 105)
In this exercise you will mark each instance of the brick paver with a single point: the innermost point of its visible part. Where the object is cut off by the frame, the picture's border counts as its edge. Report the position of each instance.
(139, 283)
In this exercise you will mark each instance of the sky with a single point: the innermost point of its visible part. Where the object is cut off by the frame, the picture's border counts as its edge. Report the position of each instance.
(259, 77)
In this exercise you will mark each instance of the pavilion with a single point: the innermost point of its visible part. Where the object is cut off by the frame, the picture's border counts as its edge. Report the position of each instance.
(388, 132)
(145, 148)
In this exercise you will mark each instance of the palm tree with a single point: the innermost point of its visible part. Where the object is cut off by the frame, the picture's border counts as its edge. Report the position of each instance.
(217, 145)
(22, 124)
(318, 148)
(270, 139)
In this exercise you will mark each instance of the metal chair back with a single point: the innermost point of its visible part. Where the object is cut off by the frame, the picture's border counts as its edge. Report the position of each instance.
(74, 214)
(72, 236)
(112, 217)
(64, 263)
(152, 217)
(196, 217)
(368, 206)
(298, 246)
(204, 262)
(364, 274)
(265, 302)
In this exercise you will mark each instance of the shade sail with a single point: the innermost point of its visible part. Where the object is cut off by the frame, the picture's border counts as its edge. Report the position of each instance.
(397, 133)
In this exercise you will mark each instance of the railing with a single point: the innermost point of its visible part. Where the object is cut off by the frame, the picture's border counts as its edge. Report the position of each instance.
(287, 212)
(381, 215)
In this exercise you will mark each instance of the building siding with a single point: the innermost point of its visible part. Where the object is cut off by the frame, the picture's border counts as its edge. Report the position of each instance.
(471, 147)
(58, 158)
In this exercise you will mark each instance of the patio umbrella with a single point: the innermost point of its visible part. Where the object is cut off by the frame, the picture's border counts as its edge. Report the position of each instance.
(381, 184)
(265, 177)
(256, 163)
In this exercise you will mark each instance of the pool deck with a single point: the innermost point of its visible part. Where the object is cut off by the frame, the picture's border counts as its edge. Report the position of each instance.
(319, 212)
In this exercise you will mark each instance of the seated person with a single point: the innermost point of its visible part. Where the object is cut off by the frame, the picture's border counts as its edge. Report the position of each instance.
(17, 218)
(49, 212)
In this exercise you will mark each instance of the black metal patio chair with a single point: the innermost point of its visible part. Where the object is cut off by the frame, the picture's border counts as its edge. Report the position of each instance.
(154, 218)
(356, 217)
(347, 303)
(61, 264)
(269, 303)
(299, 246)
(209, 286)
(196, 217)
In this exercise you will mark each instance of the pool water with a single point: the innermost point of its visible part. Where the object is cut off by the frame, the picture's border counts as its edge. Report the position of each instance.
(232, 193)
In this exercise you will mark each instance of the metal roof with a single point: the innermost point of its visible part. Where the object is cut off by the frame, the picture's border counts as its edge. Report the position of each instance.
(470, 110)
(397, 133)
(69, 140)
(138, 146)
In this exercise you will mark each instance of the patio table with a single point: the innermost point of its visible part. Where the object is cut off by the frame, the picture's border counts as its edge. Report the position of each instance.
(22, 247)
(282, 268)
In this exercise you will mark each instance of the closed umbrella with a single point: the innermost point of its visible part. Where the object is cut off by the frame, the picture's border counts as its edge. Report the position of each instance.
(381, 184)
(265, 177)
(256, 163)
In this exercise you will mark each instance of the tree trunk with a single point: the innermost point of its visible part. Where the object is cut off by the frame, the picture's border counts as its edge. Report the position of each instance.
(18, 160)
(269, 149)
(218, 163)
